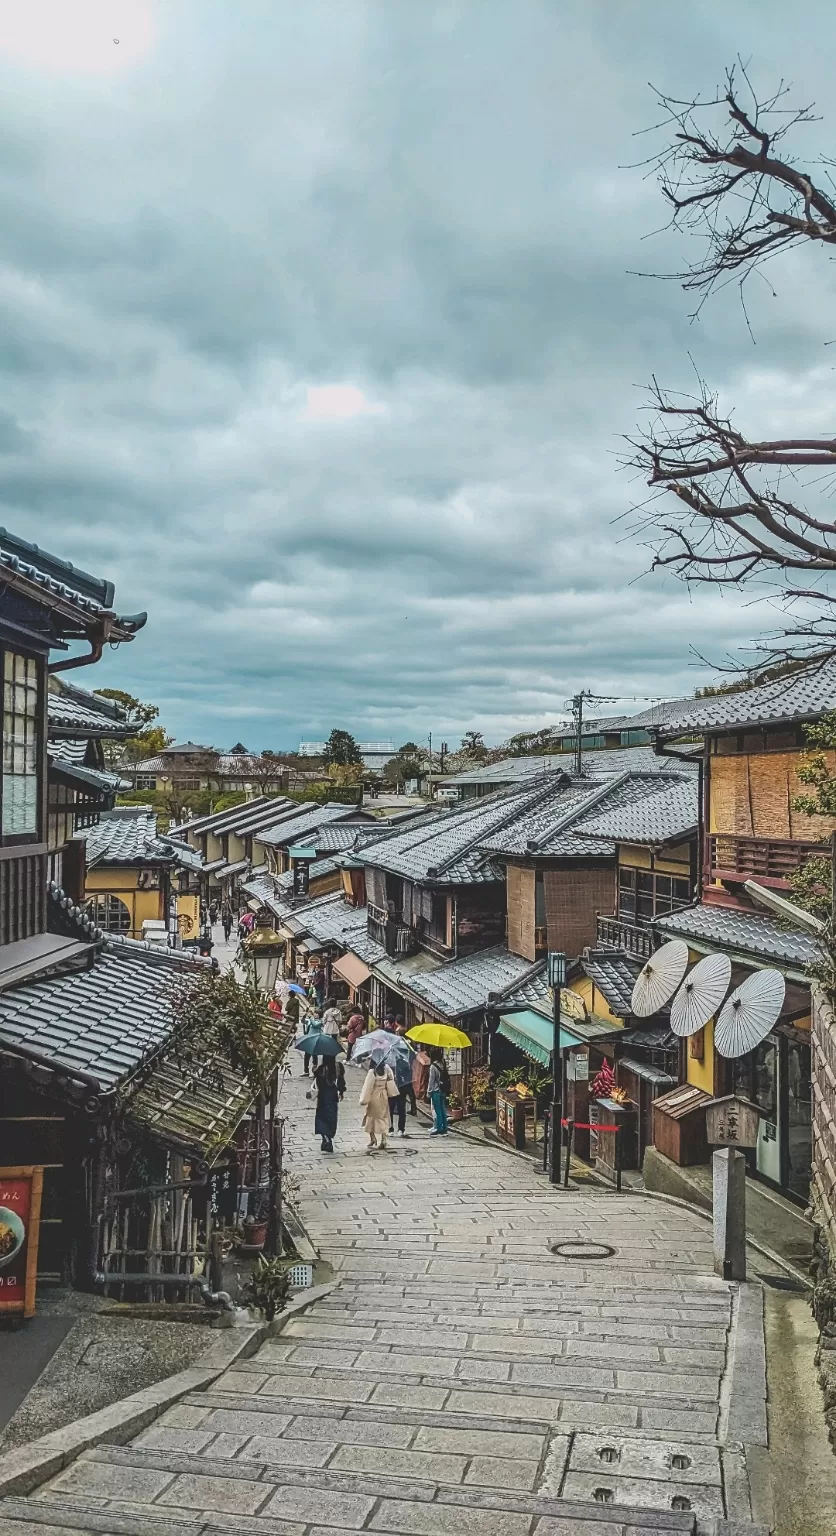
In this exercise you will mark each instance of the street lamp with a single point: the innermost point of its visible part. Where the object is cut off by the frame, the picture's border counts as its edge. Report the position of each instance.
(263, 950)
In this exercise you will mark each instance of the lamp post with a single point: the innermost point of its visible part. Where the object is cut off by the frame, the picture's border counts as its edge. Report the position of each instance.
(557, 979)
(263, 950)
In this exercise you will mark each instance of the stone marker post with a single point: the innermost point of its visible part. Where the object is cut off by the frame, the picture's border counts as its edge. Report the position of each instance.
(729, 1169)
(733, 1123)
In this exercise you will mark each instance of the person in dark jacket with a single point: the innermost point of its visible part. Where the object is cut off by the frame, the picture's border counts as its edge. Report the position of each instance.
(328, 1097)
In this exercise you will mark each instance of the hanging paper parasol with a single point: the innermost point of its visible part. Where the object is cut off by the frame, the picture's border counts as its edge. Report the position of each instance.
(749, 1014)
(445, 1035)
(701, 994)
(659, 978)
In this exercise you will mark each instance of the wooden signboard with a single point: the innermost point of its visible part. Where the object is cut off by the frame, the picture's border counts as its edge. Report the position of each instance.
(732, 1122)
(20, 1218)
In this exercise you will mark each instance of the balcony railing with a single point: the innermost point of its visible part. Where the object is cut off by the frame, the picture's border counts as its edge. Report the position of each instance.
(615, 933)
(771, 861)
(397, 939)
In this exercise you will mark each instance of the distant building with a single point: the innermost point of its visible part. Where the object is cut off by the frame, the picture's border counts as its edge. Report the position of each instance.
(187, 765)
(374, 754)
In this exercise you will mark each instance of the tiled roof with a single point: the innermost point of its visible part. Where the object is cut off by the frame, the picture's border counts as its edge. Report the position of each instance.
(316, 870)
(74, 709)
(237, 815)
(647, 813)
(547, 818)
(534, 992)
(71, 749)
(614, 974)
(465, 985)
(102, 1022)
(446, 849)
(188, 857)
(263, 888)
(803, 695)
(750, 933)
(298, 828)
(330, 919)
(599, 764)
(90, 778)
(127, 835)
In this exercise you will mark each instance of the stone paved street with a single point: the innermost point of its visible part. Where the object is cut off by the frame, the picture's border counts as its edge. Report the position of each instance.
(461, 1378)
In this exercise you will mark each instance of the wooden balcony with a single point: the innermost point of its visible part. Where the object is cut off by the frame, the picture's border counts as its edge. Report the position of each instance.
(397, 939)
(615, 933)
(770, 861)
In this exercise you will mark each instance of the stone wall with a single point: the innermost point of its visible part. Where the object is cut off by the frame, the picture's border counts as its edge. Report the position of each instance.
(823, 1197)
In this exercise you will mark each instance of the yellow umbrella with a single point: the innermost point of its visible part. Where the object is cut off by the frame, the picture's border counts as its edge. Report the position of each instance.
(439, 1034)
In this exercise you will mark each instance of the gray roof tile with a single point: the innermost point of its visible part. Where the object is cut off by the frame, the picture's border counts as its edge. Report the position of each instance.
(300, 828)
(464, 986)
(102, 1022)
(447, 849)
(649, 814)
(74, 709)
(750, 933)
(600, 764)
(803, 695)
(614, 974)
(127, 835)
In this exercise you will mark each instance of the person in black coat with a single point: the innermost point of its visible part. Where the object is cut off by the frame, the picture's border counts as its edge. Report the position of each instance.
(330, 1088)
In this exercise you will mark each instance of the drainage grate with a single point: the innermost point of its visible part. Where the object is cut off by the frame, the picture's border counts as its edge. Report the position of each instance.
(300, 1276)
(577, 1249)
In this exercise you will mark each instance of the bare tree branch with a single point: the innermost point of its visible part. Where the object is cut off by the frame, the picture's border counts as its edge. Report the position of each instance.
(720, 512)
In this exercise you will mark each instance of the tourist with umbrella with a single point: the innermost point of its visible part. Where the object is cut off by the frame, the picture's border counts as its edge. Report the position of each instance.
(378, 1088)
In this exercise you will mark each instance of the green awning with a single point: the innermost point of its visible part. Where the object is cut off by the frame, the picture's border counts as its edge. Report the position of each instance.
(533, 1034)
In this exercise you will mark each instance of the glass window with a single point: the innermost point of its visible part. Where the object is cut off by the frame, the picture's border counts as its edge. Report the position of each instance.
(110, 913)
(20, 745)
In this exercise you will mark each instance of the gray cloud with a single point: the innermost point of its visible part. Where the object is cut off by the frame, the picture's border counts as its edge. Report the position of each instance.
(424, 204)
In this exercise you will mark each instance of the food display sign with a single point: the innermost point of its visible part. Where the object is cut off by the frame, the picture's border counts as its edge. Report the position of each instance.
(20, 1215)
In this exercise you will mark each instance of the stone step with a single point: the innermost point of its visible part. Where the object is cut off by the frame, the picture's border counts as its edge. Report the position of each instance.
(303, 1339)
(22, 1518)
(365, 1419)
(170, 1485)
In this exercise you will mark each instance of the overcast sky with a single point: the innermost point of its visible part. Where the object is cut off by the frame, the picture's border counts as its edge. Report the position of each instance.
(318, 339)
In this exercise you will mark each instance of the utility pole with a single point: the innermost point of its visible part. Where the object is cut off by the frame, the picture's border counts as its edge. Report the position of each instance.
(577, 711)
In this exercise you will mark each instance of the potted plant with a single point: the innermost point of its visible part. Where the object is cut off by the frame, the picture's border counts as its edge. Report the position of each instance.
(267, 1288)
(255, 1223)
(455, 1107)
(483, 1093)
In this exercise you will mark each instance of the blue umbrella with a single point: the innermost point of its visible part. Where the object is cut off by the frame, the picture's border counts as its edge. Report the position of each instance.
(293, 986)
(319, 1045)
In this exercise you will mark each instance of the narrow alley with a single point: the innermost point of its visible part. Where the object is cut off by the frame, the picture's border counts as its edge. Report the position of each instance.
(462, 1377)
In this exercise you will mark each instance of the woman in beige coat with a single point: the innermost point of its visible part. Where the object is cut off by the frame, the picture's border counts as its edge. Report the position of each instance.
(378, 1089)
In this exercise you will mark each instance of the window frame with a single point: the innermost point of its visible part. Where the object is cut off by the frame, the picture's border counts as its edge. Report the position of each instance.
(37, 837)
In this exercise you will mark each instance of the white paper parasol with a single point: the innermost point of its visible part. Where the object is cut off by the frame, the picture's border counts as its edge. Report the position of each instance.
(701, 994)
(749, 1014)
(659, 978)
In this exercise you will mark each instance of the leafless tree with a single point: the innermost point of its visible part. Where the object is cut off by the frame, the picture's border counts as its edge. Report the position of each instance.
(725, 508)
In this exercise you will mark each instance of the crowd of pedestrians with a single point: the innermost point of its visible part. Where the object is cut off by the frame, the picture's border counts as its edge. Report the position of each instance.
(395, 1080)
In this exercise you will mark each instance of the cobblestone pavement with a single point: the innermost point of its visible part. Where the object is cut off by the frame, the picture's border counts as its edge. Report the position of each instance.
(461, 1379)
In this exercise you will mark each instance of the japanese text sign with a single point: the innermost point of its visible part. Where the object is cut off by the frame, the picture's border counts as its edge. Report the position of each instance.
(20, 1214)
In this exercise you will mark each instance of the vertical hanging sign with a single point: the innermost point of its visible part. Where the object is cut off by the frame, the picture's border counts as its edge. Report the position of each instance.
(20, 1216)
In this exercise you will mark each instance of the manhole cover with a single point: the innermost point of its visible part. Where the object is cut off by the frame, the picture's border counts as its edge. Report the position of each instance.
(581, 1250)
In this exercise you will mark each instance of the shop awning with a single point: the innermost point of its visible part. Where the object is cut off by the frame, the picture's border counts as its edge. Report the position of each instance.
(352, 969)
(533, 1034)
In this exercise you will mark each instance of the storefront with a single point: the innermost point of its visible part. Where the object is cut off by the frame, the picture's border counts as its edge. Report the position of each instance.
(777, 1077)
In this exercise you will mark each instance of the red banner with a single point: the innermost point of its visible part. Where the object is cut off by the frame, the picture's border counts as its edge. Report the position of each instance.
(20, 1208)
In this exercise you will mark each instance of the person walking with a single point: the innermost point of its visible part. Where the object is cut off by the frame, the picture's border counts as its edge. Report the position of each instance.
(226, 919)
(332, 1019)
(421, 1064)
(437, 1087)
(378, 1089)
(356, 1027)
(400, 1029)
(327, 1103)
(310, 1026)
(401, 1064)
